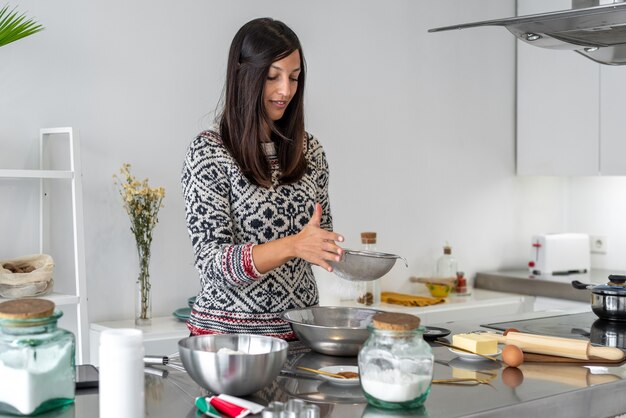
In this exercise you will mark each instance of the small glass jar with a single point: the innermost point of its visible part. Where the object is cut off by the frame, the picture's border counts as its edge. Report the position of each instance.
(368, 292)
(462, 289)
(36, 358)
(395, 363)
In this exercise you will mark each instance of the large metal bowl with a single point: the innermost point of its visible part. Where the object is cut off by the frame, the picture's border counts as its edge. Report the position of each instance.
(257, 363)
(364, 265)
(332, 330)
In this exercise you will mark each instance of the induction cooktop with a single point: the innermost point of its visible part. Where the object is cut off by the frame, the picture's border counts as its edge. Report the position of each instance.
(585, 326)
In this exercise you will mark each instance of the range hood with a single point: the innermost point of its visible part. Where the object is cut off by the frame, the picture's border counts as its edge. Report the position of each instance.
(597, 32)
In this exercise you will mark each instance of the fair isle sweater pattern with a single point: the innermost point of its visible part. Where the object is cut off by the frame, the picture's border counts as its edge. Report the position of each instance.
(226, 216)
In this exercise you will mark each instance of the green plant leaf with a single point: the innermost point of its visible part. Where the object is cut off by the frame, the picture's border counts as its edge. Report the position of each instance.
(15, 26)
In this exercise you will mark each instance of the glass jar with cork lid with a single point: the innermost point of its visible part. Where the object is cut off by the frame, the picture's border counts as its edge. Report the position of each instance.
(368, 291)
(36, 358)
(395, 363)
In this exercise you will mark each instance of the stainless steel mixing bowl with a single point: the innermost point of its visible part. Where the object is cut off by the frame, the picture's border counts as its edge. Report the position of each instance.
(256, 364)
(332, 330)
(364, 265)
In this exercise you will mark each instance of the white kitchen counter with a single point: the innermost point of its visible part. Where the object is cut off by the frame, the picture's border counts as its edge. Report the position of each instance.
(550, 286)
(481, 304)
(161, 338)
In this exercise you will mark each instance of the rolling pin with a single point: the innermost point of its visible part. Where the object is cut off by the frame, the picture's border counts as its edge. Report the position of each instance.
(557, 346)
(570, 375)
(435, 280)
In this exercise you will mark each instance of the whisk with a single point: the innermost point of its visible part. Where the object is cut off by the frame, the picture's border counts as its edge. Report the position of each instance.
(156, 367)
(172, 361)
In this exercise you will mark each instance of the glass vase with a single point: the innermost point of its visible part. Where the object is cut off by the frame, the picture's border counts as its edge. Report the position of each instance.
(143, 298)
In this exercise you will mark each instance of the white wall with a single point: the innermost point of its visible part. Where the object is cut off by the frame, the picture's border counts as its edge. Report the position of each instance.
(418, 128)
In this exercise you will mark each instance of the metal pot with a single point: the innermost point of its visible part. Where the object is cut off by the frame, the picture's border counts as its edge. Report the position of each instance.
(608, 301)
(608, 333)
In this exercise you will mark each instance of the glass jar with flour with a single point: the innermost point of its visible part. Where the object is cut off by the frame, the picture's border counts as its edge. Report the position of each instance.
(395, 363)
(36, 358)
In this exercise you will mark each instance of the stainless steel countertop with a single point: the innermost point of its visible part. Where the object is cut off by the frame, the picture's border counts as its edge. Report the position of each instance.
(522, 282)
(553, 390)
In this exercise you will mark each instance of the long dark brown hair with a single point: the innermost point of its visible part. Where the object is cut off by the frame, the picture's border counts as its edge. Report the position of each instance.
(255, 47)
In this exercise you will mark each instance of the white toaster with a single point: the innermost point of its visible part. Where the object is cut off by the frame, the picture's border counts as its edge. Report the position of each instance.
(559, 254)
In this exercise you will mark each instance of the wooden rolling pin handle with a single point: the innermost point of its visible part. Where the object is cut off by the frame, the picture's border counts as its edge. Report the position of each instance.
(596, 379)
(608, 353)
(566, 347)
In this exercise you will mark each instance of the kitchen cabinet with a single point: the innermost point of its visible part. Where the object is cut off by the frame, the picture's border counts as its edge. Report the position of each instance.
(61, 225)
(613, 122)
(569, 120)
(557, 112)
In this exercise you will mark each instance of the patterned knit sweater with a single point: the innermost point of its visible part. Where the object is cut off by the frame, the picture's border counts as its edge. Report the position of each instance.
(226, 216)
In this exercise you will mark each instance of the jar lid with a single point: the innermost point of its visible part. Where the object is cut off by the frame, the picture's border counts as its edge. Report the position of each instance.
(368, 237)
(394, 321)
(121, 338)
(26, 308)
(615, 287)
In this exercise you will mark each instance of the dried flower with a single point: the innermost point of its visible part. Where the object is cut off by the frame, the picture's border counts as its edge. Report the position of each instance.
(142, 203)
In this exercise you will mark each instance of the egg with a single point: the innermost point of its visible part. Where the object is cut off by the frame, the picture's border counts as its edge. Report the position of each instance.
(512, 377)
(512, 355)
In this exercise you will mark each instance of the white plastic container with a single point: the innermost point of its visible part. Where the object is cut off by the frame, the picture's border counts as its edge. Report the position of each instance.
(121, 374)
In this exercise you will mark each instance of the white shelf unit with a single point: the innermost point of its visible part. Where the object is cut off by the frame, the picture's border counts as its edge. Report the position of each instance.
(77, 298)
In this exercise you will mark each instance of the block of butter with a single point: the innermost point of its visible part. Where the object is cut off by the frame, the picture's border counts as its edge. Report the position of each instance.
(476, 343)
(465, 374)
(472, 374)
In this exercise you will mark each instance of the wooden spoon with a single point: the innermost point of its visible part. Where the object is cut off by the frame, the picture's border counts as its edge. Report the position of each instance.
(337, 376)
(463, 380)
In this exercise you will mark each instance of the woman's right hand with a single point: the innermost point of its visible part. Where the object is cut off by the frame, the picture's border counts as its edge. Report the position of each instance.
(313, 244)
(317, 245)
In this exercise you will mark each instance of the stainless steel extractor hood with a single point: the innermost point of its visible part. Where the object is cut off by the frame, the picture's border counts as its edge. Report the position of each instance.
(598, 32)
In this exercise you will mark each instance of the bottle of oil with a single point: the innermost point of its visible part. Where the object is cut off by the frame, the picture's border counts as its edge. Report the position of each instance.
(369, 292)
(446, 264)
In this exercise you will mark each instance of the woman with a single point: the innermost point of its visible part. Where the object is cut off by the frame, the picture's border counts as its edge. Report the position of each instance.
(256, 193)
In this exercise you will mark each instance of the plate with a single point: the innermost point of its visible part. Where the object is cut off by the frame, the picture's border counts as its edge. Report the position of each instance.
(475, 365)
(432, 333)
(182, 313)
(338, 381)
(471, 356)
(332, 390)
(321, 392)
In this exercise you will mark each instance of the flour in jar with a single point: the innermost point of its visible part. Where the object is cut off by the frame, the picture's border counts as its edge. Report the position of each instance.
(26, 385)
(394, 385)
